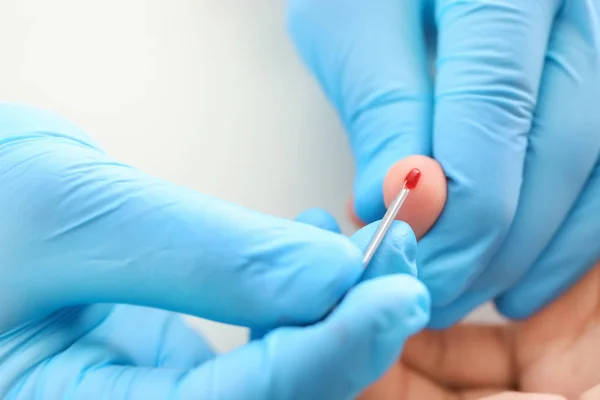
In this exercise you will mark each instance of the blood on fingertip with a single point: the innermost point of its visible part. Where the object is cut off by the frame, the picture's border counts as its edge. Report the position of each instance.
(412, 179)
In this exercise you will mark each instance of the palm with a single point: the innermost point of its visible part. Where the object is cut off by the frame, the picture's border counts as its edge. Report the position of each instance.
(554, 351)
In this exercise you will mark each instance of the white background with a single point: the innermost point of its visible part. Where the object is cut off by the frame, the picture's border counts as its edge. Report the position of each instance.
(205, 93)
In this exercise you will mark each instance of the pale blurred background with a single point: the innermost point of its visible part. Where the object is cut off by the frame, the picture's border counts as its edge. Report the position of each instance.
(205, 93)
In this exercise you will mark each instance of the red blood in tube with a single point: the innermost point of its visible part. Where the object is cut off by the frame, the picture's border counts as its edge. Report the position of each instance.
(412, 179)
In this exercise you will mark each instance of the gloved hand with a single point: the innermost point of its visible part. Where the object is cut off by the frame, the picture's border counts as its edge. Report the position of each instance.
(80, 232)
(490, 362)
(511, 115)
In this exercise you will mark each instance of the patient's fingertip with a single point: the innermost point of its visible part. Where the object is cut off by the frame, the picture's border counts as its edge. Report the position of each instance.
(425, 203)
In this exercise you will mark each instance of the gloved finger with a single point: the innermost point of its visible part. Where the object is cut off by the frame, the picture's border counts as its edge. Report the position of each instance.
(563, 148)
(319, 219)
(351, 213)
(80, 228)
(569, 256)
(396, 254)
(371, 59)
(335, 359)
(152, 338)
(486, 91)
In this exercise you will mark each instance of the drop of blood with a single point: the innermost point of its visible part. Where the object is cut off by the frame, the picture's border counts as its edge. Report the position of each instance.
(412, 179)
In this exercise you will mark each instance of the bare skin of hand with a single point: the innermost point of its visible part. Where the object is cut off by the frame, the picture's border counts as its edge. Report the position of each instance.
(556, 351)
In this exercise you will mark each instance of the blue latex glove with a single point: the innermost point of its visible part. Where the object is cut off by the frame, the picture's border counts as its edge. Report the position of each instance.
(81, 232)
(511, 115)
